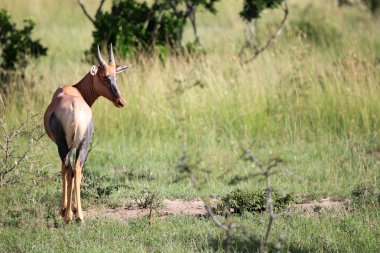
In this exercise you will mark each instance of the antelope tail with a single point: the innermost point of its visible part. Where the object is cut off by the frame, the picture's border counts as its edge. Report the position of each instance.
(74, 132)
(75, 123)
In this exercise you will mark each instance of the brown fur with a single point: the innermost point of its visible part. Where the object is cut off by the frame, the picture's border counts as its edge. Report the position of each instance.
(72, 106)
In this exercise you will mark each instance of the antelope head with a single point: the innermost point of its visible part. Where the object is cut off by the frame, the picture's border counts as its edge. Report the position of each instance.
(105, 78)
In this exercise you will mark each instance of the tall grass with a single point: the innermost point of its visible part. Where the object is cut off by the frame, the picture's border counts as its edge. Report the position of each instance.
(312, 99)
(316, 85)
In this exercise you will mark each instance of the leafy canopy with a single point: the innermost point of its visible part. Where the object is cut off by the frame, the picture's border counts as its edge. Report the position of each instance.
(137, 26)
(253, 8)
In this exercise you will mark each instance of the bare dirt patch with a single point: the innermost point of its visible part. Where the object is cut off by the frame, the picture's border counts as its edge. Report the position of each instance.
(317, 207)
(196, 207)
(170, 207)
(374, 154)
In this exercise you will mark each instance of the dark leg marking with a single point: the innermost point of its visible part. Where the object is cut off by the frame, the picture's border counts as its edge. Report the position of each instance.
(60, 138)
(82, 150)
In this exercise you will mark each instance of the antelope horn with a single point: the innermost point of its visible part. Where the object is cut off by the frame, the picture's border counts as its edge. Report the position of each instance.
(111, 57)
(100, 59)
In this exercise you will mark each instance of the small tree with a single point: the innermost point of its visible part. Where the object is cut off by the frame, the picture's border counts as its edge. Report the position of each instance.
(16, 48)
(139, 27)
(252, 10)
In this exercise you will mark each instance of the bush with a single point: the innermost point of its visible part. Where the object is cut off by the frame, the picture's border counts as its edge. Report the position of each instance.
(137, 27)
(365, 194)
(97, 187)
(17, 44)
(240, 201)
(16, 47)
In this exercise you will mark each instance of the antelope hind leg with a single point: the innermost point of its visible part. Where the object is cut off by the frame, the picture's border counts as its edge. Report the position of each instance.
(70, 187)
(81, 156)
(77, 181)
(62, 211)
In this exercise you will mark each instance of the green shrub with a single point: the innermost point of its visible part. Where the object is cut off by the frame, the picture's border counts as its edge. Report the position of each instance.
(16, 48)
(365, 194)
(98, 187)
(148, 199)
(17, 44)
(240, 201)
(139, 27)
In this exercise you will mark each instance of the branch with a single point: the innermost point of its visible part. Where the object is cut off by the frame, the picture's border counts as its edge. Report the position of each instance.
(16, 163)
(99, 7)
(11, 142)
(190, 8)
(271, 40)
(87, 14)
(157, 25)
(194, 25)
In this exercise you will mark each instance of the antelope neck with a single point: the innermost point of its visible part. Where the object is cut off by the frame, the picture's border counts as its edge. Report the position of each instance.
(86, 89)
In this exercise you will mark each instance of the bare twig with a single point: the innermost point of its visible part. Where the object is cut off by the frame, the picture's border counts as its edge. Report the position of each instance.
(15, 155)
(231, 226)
(257, 51)
(87, 14)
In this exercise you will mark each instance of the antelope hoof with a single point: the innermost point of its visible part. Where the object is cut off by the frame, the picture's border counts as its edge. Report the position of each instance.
(62, 212)
(79, 217)
(80, 221)
(68, 217)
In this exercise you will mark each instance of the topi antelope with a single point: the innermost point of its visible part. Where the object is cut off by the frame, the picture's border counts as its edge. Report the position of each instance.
(68, 122)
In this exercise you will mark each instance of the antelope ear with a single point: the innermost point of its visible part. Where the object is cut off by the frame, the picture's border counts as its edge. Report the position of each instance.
(121, 68)
(94, 70)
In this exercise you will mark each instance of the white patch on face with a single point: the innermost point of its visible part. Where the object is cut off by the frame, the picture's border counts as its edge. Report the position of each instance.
(94, 70)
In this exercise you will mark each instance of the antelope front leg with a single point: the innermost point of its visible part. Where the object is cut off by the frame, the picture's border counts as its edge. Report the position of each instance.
(62, 211)
(70, 187)
(77, 182)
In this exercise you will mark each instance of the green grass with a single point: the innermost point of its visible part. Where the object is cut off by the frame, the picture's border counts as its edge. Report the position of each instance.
(312, 99)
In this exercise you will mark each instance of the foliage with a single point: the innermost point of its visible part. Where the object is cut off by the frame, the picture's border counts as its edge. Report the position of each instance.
(148, 199)
(252, 9)
(344, 2)
(365, 193)
(137, 26)
(252, 201)
(373, 6)
(17, 44)
(99, 187)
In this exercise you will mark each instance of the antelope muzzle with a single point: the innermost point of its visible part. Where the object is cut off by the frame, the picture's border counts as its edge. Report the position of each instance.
(119, 102)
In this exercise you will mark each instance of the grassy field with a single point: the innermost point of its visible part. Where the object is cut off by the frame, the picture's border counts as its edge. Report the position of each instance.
(312, 99)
